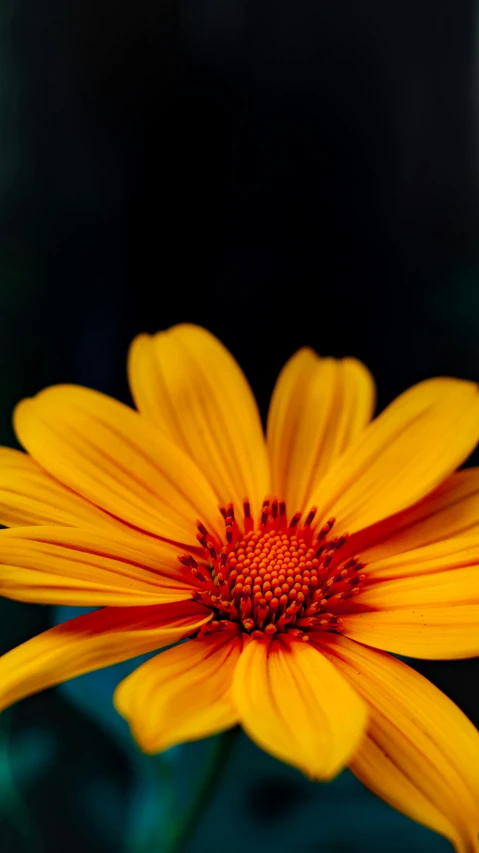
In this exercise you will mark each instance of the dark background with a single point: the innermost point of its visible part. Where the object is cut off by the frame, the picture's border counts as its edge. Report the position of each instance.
(284, 173)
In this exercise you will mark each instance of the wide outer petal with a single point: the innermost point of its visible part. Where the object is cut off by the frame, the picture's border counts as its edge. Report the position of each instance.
(188, 384)
(432, 633)
(423, 603)
(450, 510)
(183, 693)
(319, 406)
(297, 706)
(94, 641)
(28, 495)
(65, 565)
(441, 557)
(402, 455)
(421, 753)
(115, 458)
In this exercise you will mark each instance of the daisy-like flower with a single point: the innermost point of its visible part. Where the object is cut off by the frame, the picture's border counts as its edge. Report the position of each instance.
(294, 564)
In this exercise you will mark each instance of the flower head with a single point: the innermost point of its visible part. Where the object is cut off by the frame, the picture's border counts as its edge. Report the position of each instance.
(294, 564)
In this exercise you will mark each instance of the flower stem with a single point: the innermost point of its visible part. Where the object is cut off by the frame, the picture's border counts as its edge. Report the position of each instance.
(183, 828)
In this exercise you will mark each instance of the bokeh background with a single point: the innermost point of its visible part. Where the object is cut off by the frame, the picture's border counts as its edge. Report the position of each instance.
(285, 173)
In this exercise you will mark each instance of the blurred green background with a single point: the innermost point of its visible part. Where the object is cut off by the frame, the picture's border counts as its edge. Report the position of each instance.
(285, 174)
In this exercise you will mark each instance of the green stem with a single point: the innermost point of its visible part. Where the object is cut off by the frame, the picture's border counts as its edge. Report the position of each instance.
(184, 827)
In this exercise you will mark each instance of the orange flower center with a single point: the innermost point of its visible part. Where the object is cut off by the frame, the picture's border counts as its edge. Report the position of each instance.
(276, 576)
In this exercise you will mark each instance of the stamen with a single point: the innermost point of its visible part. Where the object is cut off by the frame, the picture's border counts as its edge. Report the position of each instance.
(201, 527)
(212, 550)
(188, 560)
(273, 577)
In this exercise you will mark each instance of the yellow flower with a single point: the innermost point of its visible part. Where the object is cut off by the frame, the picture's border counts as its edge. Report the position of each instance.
(337, 540)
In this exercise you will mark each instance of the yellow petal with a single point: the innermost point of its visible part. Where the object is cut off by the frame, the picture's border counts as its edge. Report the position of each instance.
(188, 384)
(437, 558)
(451, 510)
(182, 694)
(63, 565)
(297, 706)
(91, 642)
(112, 456)
(402, 455)
(434, 633)
(453, 587)
(424, 603)
(319, 406)
(28, 495)
(421, 753)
